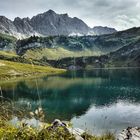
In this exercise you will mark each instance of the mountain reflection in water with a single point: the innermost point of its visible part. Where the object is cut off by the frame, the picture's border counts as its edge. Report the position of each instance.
(81, 96)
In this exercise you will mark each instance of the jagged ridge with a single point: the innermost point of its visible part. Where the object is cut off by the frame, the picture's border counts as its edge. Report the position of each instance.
(49, 23)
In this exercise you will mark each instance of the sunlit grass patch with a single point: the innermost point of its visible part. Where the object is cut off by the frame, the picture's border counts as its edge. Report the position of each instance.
(57, 53)
(10, 69)
(8, 54)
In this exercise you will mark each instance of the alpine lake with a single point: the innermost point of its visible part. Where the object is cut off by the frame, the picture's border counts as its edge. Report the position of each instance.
(98, 101)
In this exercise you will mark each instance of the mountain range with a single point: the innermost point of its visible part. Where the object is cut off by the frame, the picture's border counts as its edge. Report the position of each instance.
(49, 24)
(61, 41)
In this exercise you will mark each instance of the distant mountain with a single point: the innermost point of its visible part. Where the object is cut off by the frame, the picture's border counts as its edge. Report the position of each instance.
(99, 30)
(49, 23)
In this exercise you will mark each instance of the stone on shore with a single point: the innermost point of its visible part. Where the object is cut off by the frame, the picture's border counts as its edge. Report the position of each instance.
(74, 131)
(130, 134)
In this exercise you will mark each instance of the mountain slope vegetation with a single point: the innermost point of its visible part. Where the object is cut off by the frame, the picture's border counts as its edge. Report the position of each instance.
(57, 47)
(117, 49)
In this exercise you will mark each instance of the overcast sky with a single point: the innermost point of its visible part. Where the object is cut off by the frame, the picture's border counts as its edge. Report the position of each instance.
(120, 14)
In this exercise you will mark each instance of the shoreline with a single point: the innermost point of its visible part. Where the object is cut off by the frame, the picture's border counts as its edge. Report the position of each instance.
(14, 71)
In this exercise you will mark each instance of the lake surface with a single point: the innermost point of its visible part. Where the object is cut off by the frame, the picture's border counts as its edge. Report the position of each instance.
(98, 101)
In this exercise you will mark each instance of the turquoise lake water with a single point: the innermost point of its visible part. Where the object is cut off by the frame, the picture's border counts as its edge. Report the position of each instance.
(98, 101)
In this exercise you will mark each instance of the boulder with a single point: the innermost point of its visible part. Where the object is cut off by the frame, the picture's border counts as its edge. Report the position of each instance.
(74, 131)
(131, 133)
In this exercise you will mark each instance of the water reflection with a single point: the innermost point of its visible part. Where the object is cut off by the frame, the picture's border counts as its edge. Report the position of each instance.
(81, 96)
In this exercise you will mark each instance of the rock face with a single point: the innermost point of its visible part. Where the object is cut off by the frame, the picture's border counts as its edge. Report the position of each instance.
(130, 134)
(74, 131)
(7, 26)
(18, 28)
(49, 23)
(23, 26)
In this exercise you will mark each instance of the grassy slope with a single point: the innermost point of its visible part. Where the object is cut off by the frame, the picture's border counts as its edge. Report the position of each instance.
(74, 46)
(8, 54)
(13, 69)
(7, 37)
(57, 53)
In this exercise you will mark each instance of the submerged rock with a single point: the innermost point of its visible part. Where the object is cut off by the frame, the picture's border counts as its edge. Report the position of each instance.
(130, 134)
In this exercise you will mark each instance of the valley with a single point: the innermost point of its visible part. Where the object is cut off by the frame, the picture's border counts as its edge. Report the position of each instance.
(54, 66)
(103, 47)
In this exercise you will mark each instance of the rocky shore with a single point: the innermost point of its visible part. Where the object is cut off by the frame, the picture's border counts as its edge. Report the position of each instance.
(131, 133)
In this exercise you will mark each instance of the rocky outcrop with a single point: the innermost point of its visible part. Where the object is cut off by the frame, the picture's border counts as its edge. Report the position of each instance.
(23, 26)
(7, 26)
(10, 28)
(130, 134)
(74, 131)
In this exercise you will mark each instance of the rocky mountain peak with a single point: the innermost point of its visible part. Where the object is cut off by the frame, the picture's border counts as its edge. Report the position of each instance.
(64, 15)
(17, 19)
(50, 12)
(49, 23)
(3, 18)
(7, 26)
(45, 14)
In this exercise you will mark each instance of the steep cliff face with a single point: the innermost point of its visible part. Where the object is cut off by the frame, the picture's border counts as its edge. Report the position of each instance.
(17, 28)
(23, 26)
(49, 23)
(7, 26)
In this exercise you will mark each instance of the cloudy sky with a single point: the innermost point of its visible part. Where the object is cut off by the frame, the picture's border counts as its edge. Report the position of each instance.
(121, 14)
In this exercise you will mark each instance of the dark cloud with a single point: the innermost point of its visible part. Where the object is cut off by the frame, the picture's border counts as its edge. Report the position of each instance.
(120, 14)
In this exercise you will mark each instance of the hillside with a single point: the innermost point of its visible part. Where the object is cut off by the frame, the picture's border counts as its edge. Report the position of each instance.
(10, 70)
(57, 47)
(120, 49)
(127, 56)
(7, 42)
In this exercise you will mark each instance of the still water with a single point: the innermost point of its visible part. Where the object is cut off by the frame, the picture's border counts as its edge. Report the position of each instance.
(98, 101)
